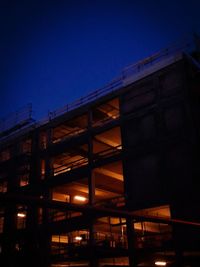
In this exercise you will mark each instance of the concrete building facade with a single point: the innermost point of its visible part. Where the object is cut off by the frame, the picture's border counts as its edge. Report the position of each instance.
(113, 178)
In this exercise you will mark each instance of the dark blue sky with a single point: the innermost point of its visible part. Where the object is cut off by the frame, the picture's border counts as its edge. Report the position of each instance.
(53, 52)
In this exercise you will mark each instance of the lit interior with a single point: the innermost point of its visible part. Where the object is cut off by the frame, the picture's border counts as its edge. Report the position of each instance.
(109, 183)
(21, 217)
(80, 198)
(71, 159)
(25, 146)
(160, 263)
(1, 219)
(70, 128)
(74, 192)
(107, 143)
(106, 112)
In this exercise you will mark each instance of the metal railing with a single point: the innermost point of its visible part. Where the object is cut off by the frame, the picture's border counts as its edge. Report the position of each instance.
(153, 240)
(104, 121)
(112, 86)
(65, 136)
(141, 66)
(69, 166)
(122, 80)
(18, 118)
(114, 202)
(155, 58)
(111, 151)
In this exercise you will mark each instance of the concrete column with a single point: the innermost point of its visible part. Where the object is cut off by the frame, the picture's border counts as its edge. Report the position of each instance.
(131, 244)
(91, 178)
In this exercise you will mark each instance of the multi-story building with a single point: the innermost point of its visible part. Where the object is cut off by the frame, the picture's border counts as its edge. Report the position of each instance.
(112, 179)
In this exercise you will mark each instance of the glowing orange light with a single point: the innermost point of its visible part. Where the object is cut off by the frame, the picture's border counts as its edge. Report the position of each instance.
(160, 263)
(21, 215)
(78, 238)
(80, 198)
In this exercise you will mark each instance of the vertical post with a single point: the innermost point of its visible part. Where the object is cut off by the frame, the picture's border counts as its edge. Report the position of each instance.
(8, 246)
(10, 214)
(131, 243)
(91, 178)
(178, 232)
(91, 188)
(93, 261)
(32, 245)
(45, 235)
(48, 161)
(179, 257)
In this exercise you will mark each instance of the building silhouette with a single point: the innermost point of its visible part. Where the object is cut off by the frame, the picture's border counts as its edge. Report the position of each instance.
(111, 179)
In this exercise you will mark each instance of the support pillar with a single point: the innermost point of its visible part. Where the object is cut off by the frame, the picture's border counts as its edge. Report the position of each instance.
(131, 244)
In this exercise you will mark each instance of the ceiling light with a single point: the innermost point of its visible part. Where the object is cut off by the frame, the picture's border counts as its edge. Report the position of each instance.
(78, 238)
(21, 215)
(160, 263)
(80, 198)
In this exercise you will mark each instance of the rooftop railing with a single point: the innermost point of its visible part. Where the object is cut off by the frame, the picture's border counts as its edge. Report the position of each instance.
(112, 86)
(135, 69)
(16, 120)
(126, 77)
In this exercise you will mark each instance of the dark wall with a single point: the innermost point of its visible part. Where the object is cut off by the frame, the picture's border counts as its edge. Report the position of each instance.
(157, 139)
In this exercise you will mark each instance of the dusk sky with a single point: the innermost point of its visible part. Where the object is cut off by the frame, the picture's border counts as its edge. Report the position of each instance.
(53, 52)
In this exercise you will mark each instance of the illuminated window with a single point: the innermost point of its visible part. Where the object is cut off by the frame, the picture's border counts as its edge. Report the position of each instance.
(42, 166)
(71, 159)
(1, 220)
(21, 217)
(106, 112)
(5, 155)
(1, 224)
(25, 146)
(24, 180)
(3, 187)
(70, 128)
(43, 140)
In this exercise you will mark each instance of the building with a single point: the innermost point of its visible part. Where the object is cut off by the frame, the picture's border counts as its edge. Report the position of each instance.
(111, 179)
